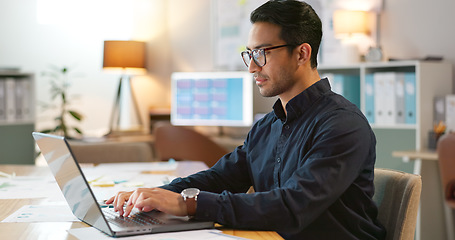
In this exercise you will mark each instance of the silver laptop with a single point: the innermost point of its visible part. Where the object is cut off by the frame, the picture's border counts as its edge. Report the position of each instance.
(85, 206)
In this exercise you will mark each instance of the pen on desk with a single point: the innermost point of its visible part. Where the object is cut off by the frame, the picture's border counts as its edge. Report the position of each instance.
(119, 181)
(96, 179)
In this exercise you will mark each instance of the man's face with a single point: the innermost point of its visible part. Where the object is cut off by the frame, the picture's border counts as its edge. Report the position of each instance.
(276, 76)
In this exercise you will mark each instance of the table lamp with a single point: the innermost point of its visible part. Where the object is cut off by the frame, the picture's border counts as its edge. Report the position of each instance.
(346, 23)
(128, 57)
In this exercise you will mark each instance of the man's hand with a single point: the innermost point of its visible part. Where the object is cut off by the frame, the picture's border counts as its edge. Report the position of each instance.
(147, 199)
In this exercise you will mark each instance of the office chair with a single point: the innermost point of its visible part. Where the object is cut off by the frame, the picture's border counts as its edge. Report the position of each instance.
(397, 195)
(182, 143)
(446, 157)
(111, 152)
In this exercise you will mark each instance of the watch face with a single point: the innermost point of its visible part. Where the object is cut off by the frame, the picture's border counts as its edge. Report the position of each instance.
(190, 192)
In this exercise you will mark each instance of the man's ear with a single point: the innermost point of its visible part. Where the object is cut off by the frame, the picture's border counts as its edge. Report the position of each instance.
(304, 53)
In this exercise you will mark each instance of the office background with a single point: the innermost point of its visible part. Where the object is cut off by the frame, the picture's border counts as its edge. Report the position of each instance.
(36, 34)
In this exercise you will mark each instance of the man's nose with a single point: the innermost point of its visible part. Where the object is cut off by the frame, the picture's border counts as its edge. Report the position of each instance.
(253, 67)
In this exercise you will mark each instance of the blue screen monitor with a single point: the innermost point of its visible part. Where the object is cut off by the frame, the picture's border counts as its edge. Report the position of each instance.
(212, 99)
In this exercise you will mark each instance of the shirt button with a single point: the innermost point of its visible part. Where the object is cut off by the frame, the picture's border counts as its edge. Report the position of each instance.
(286, 127)
(278, 159)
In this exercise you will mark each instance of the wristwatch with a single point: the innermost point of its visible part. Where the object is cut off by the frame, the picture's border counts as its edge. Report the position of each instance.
(190, 197)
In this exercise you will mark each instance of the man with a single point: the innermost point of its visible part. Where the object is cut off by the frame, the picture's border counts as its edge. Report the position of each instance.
(310, 160)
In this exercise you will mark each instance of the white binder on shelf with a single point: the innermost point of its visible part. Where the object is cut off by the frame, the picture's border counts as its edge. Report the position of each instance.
(410, 97)
(444, 111)
(19, 95)
(27, 99)
(439, 109)
(450, 113)
(10, 93)
(22, 95)
(400, 115)
(369, 98)
(384, 92)
(2, 99)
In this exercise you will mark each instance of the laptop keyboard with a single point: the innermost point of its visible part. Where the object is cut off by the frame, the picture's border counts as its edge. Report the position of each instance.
(138, 219)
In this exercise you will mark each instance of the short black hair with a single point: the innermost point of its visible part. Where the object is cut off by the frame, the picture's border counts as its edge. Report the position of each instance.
(298, 21)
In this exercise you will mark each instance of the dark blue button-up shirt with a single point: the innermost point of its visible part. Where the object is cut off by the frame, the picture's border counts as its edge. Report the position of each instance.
(312, 171)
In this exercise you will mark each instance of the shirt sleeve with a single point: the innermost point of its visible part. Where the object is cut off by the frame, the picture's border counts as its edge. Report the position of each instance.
(229, 173)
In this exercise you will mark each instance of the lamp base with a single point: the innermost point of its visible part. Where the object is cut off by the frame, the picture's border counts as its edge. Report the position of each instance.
(120, 109)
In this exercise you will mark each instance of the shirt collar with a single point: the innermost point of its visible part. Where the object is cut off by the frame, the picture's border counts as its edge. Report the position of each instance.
(297, 105)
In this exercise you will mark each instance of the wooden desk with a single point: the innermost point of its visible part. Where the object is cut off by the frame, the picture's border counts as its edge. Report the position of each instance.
(58, 230)
(417, 156)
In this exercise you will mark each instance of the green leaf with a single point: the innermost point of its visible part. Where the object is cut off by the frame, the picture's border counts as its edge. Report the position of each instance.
(58, 77)
(76, 115)
(77, 130)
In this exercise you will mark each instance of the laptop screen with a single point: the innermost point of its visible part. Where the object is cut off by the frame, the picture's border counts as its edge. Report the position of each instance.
(71, 180)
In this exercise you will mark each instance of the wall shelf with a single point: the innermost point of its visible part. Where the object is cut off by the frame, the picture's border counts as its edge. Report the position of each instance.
(17, 118)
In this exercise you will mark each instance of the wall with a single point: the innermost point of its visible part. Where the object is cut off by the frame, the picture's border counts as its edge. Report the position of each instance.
(418, 28)
(39, 33)
(179, 38)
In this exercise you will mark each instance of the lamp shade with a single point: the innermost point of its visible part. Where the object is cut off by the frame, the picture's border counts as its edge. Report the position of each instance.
(349, 22)
(127, 55)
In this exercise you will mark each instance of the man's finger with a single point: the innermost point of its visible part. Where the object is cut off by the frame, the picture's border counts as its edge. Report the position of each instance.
(110, 200)
(128, 209)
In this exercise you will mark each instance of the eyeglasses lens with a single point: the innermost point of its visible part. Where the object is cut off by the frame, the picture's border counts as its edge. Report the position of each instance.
(246, 58)
(258, 57)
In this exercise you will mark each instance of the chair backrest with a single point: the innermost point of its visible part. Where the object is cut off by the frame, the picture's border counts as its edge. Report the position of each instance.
(110, 152)
(182, 143)
(397, 195)
(446, 160)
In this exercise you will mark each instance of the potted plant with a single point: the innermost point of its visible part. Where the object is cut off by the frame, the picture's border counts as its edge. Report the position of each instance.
(59, 82)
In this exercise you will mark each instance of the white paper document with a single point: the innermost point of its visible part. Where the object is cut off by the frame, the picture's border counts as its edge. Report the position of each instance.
(26, 187)
(137, 166)
(208, 234)
(42, 213)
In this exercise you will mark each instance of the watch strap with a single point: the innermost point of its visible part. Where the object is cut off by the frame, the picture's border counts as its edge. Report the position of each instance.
(191, 205)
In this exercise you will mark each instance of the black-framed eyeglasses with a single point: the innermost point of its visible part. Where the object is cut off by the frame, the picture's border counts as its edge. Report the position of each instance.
(258, 55)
